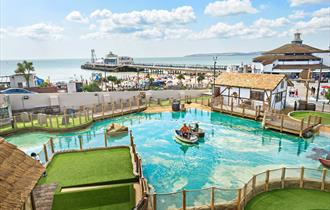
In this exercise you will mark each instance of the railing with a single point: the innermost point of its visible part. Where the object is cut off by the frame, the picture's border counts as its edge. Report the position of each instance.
(203, 100)
(74, 119)
(324, 107)
(217, 198)
(235, 107)
(285, 123)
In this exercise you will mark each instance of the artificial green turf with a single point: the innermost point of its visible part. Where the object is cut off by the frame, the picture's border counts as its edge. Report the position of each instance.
(290, 199)
(90, 168)
(325, 117)
(111, 198)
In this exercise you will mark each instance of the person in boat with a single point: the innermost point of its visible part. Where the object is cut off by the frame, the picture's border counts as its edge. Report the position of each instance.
(196, 127)
(185, 131)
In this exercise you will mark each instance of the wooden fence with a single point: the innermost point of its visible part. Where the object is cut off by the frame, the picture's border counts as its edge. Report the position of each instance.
(235, 199)
(284, 123)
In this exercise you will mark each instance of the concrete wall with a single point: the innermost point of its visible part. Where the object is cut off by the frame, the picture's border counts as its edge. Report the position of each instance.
(75, 100)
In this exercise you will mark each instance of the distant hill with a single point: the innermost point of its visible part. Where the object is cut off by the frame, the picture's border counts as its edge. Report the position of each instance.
(224, 54)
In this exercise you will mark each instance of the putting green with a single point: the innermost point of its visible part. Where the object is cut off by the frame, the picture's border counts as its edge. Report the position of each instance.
(90, 168)
(111, 198)
(290, 199)
(325, 117)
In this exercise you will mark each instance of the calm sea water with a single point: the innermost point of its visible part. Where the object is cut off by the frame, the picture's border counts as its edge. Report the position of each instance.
(69, 69)
(232, 151)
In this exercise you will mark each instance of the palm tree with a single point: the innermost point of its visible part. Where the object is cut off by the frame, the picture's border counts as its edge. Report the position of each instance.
(25, 69)
(113, 80)
(200, 77)
(180, 77)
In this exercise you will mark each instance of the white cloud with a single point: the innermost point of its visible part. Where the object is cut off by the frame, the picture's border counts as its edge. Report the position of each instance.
(101, 13)
(240, 30)
(3, 32)
(324, 12)
(298, 14)
(92, 26)
(153, 24)
(313, 25)
(229, 7)
(75, 16)
(40, 31)
(94, 36)
(162, 33)
(300, 2)
(271, 23)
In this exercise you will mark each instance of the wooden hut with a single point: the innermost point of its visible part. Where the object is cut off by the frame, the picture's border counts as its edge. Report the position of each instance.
(266, 90)
(19, 174)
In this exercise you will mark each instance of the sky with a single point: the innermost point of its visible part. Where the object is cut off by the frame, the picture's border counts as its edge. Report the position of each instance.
(43, 29)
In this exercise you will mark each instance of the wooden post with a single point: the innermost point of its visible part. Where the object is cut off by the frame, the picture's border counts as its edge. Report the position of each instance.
(184, 200)
(239, 192)
(46, 153)
(92, 113)
(301, 183)
(154, 198)
(31, 118)
(254, 179)
(57, 122)
(65, 120)
(256, 114)
(138, 102)
(282, 121)
(130, 105)
(221, 105)
(103, 110)
(52, 145)
(23, 122)
(320, 120)
(47, 119)
(50, 121)
(267, 180)
(244, 193)
(79, 118)
(232, 106)
(323, 106)
(15, 122)
(309, 121)
(80, 142)
(105, 139)
(72, 119)
(121, 107)
(324, 174)
(301, 127)
(243, 110)
(212, 198)
(283, 178)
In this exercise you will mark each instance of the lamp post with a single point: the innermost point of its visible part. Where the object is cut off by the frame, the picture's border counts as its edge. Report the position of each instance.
(215, 58)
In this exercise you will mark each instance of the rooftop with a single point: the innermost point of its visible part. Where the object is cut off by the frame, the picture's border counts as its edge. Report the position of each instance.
(19, 174)
(270, 58)
(247, 80)
(306, 66)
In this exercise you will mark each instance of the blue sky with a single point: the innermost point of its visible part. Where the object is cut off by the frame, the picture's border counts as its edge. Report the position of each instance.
(149, 28)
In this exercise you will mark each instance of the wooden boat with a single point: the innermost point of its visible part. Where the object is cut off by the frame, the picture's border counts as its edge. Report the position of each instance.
(116, 129)
(193, 138)
(325, 163)
(200, 133)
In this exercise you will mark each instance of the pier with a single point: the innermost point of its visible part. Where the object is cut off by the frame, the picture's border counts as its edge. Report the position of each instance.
(157, 68)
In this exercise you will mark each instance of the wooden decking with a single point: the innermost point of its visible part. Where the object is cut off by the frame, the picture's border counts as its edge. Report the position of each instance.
(117, 112)
(270, 120)
(284, 123)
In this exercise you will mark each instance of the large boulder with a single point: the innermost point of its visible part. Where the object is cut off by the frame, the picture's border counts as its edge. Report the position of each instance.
(116, 129)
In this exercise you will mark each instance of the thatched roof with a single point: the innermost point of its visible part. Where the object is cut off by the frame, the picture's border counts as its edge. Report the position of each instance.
(19, 174)
(296, 48)
(269, 58)
(247, 80)
(306, 66)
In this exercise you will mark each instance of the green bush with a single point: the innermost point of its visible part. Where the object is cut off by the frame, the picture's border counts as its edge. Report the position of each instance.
(91, 87)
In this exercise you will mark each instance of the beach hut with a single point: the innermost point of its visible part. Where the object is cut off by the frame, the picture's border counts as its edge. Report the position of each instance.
(19, 174)
(266, 90)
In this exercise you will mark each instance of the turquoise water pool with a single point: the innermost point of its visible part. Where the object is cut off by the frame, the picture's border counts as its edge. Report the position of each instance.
(232, 151)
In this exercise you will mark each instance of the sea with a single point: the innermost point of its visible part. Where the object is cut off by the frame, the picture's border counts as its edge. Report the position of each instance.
(57, 70)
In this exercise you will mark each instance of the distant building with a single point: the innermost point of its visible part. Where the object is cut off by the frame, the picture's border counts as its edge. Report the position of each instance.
(266, 90)
(18, 81)
(115, 60)
(292, 58)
